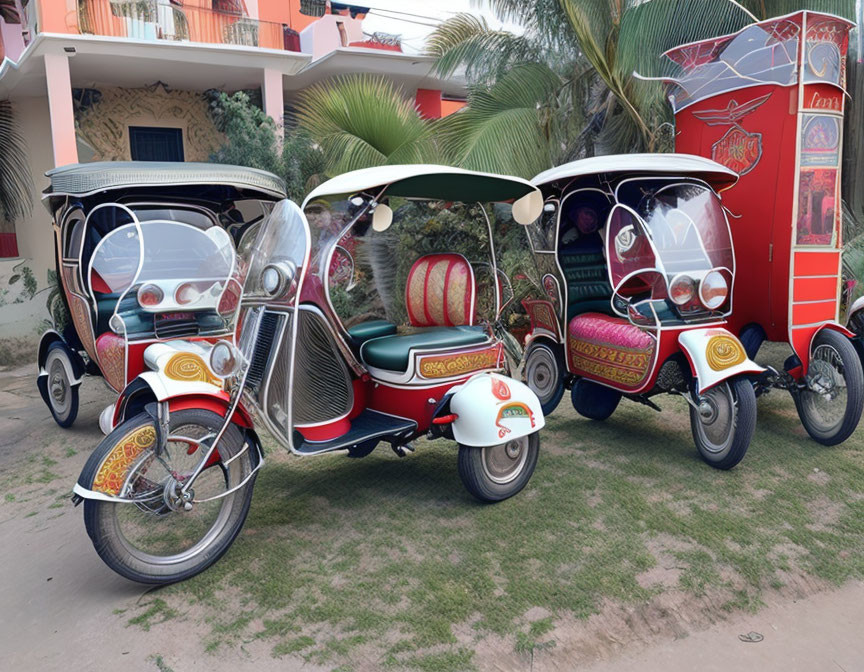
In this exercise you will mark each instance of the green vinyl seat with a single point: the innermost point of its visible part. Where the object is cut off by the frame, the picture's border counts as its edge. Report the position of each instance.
(392, 352)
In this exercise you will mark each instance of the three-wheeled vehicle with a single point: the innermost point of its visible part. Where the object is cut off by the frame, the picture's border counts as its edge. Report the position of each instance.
(768, 102)
(192, 211)
(636, 262)
(390, 344)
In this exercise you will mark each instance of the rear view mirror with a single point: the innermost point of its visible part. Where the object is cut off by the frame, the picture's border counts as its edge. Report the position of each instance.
(528, 208)
(382, 217)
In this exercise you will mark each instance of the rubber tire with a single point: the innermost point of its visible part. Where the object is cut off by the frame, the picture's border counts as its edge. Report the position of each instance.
(594, 401)
(854, 390)
(478, 484)
(546, 350)
(69, 419)
(98, 517)
(745, 425)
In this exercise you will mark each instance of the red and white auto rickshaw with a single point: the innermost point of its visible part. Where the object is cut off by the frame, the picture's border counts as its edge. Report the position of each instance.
(636, 263)
(768, 102)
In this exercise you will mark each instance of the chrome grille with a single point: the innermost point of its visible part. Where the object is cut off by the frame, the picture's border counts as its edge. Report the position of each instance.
(322, 382)
(270, 323)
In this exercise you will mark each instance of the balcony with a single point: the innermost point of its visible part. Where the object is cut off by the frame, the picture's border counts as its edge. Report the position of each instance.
(166, 20)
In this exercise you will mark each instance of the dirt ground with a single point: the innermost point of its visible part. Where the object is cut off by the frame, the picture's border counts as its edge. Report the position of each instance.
(61, 608)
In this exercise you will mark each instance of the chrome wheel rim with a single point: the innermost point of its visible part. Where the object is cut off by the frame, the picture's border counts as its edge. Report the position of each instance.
(541, 374)
(824, 400)
(718, 415)
(156, 529)
(503, 463)
(58, 385)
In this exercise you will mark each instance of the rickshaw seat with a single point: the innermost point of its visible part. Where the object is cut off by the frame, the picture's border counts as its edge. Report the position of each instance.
(392, 353)
(440, 291)
(610, 349)
(588, 288)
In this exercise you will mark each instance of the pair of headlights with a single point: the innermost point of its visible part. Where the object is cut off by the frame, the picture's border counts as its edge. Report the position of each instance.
(712, 291)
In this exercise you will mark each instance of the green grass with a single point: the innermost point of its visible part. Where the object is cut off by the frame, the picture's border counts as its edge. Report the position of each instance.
(392, 559)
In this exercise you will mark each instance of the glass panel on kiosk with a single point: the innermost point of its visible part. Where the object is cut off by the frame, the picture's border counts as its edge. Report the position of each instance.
(827, 41)
(818, 206)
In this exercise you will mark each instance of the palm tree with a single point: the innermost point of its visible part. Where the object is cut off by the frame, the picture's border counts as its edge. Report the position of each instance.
(361, 121)
(15, 182)
(563, 86)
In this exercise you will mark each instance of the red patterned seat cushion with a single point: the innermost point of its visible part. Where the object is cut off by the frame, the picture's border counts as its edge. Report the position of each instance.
(440, 291)
(611, 350)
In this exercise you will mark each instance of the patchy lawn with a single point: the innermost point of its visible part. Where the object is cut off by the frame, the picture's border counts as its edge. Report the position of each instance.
(387, 561)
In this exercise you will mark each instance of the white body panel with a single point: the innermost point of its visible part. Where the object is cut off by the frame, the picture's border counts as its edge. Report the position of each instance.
(493, 409)
(156, 358)
(696, 342)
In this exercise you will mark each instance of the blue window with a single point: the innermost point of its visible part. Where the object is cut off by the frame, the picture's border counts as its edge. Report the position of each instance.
(149, 143)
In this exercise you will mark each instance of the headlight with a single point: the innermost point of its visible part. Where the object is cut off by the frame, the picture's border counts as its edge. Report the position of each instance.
(223, 359)
(713, 290)
(187, 293)
(150, 295)
(682, 290)
(276, 279)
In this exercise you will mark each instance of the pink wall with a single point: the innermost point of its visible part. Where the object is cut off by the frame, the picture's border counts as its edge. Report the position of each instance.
(59, 86)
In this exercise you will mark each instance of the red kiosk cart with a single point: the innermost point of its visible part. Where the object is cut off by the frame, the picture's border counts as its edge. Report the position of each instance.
(768, 102)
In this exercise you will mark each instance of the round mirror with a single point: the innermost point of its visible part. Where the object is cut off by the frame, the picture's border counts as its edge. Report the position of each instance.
(528, 208)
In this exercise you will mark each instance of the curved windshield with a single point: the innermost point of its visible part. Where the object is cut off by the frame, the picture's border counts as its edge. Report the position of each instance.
(685, 222)
(282, 239)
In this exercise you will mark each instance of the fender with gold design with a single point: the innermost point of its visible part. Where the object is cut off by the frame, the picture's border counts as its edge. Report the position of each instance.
(715, 355)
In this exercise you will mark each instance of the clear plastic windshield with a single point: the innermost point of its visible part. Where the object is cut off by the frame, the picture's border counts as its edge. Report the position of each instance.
(282, 239)
(685, 223)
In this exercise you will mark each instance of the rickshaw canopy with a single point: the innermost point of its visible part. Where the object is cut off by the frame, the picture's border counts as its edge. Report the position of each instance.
(84, 179)
(686, 165)
(431, 182)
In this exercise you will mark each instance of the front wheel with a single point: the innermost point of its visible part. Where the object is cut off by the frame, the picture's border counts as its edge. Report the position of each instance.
(156, 539)
(830, 406)
(724, 421)
(494, 473)
(62, 394)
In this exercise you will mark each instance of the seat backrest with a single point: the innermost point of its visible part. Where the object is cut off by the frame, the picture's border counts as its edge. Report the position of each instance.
(440, 291)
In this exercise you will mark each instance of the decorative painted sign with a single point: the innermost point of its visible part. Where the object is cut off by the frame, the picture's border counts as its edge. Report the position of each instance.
(457, 364)
(739, 149)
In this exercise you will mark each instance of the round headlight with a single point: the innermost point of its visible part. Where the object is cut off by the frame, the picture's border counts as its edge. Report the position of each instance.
(271, 280)
(187, 293)
(150, 295)
(713, 290)
(223, 360)
(682, 290)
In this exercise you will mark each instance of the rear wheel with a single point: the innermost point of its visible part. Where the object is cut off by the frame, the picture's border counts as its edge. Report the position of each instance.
(594, 401)
(157, 539)
(544, 374)
(62, 394)
(493, 473)
(724, 422)
(830, 406)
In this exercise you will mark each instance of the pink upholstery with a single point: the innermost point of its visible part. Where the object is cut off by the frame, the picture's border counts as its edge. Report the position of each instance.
(440, 291)
(610, 350)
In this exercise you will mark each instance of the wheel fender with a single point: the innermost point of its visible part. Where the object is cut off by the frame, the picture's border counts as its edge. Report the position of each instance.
(75, 368)
(146, 388)
(492, 409)
(715, 355)
(856, 306)
(835, 326)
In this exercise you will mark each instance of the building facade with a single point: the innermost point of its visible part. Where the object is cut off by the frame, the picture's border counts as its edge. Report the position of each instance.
(125, 79)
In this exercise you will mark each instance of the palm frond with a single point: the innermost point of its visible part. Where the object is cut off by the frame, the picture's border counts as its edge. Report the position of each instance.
(467, 41)
(362, 121)
(510, 127)
(16, 186)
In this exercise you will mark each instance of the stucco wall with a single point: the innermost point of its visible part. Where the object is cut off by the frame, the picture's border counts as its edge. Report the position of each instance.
(105, 125)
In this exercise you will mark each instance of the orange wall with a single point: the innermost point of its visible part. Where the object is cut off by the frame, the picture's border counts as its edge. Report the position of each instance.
(451, 106)
(58, 16)
(284, 11)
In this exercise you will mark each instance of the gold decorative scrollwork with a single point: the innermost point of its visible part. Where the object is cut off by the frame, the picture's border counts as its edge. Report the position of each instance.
(724, 352)
(189, 367)
(113, 471)
(446, 366)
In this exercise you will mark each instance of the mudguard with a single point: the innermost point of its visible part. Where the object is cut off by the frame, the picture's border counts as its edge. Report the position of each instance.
(492, 409)
(76, 372)
(715, 355)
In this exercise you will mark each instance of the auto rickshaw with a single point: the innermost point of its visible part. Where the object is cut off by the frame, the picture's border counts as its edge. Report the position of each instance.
(192, 210)
(768, 102)
(636, 265)
(394, 342)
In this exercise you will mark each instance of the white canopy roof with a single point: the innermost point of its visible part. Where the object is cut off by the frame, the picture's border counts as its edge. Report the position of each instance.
(426, 181)
(685, 165)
